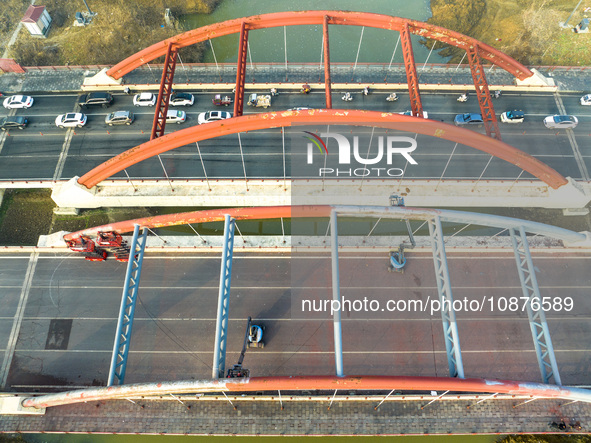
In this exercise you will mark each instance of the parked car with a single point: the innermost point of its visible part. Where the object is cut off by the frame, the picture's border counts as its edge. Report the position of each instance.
(182, 99)
(513, 117)
(18, 102)
(103, 99)
(212, 116)
(425, 114)
(173, 116)
(119, 118)
(144, 99)
(468, 119)
(7, 123)
(70, 120)
(561, 121)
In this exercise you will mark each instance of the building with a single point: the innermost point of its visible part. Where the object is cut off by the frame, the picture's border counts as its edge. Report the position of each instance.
(37, 21)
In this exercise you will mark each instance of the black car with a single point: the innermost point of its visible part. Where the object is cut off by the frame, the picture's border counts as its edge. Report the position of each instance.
(7, 123)
(103, 99)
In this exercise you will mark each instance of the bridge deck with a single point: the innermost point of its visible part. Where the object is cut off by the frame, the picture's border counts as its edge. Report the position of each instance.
(57, 329)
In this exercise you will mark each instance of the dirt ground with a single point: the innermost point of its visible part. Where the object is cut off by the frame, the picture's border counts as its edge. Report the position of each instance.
(527, 30)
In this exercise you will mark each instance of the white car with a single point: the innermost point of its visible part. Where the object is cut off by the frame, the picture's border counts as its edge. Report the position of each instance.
(425, 114)
(173, 116)
(586, 100)
(144, 99)
(18, 102)
(513, 117)
(212, 116)
(561, 121)
(70, 120)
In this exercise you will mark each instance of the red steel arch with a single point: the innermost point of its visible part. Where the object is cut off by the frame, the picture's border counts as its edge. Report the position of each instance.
(311, 383)
(318, 18)
(255, 122)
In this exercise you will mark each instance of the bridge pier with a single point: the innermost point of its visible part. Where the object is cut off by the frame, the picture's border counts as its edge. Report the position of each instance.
(536, 80)
(574, 196)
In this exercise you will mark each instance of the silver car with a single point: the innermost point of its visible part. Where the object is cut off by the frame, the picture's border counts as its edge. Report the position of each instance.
(173, 116)
(119, 118)
(561, 121)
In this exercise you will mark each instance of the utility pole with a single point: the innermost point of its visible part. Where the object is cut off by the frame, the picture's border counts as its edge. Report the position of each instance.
(92, 14)
(565, 24)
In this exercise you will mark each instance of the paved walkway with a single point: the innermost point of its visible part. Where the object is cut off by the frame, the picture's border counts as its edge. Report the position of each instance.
(67, 79)
(304, 418)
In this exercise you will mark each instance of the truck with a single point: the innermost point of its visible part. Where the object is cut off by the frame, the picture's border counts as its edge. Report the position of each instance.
(259, 100)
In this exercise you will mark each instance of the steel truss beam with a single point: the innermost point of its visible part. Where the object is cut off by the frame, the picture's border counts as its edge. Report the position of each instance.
(412, 78)
(482, 92)
(165, 91)
(241, 70)
(537, 317)
(327, 82)
(221, 325)
(336, 295)
(448, 316)
(127, 310)
(254, 122)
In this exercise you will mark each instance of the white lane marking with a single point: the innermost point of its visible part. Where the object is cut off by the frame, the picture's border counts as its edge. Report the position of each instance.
(428, 352)
(424, 255)
(65, 147)
(577, 318)
(280, 288)
(63, 155)
(5, 135)
(577, 154)
(18, 319)
(573, 142)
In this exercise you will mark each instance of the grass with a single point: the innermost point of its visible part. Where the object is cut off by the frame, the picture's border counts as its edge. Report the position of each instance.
(118, 30)
(527, 30)
(25, 214)
(11, 13)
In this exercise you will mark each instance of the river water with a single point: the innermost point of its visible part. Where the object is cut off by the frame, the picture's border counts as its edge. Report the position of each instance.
(304, 43)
